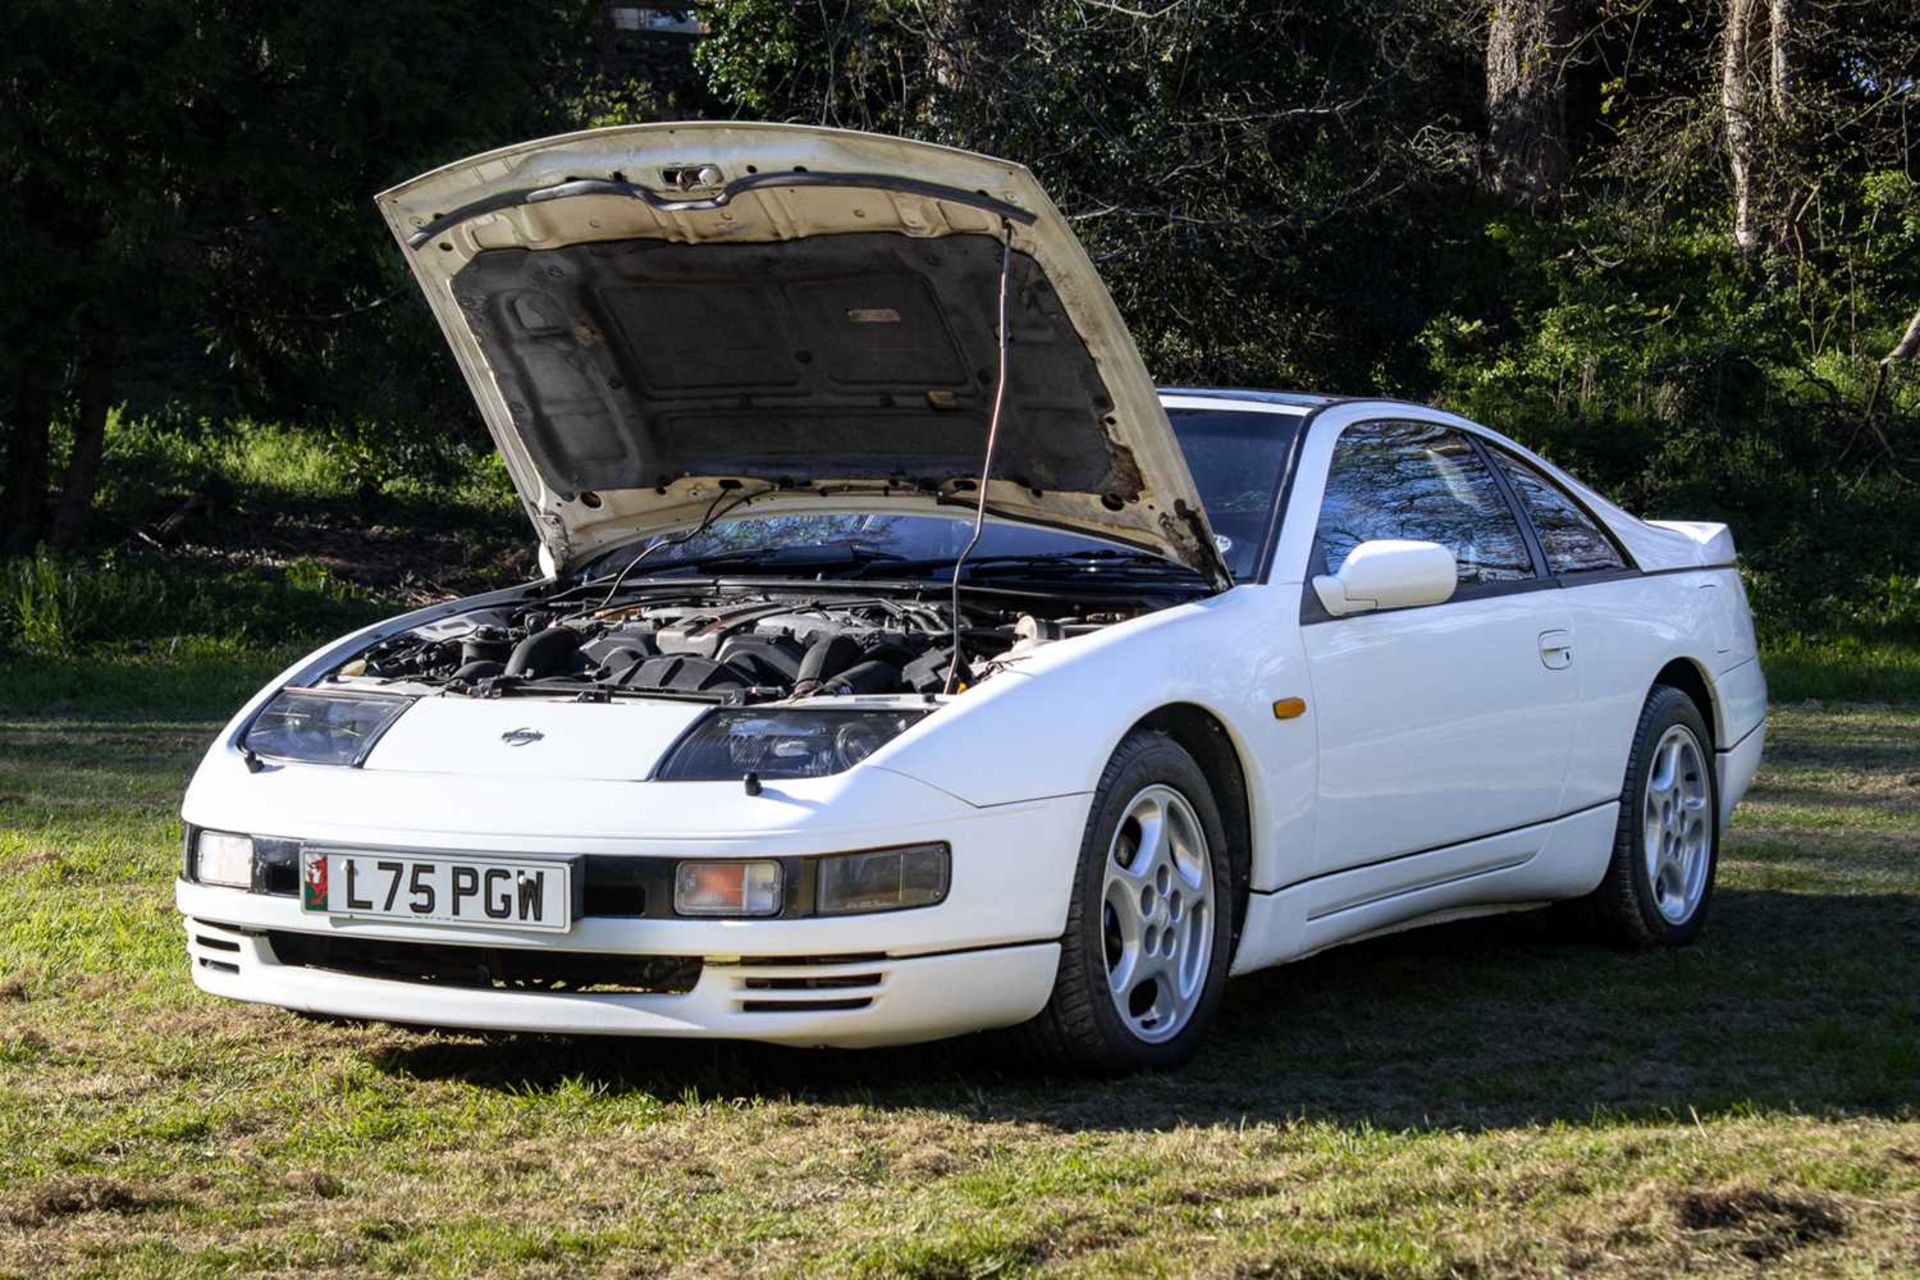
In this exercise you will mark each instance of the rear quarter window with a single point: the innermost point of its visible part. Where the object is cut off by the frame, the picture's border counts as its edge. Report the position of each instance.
(1573, 540)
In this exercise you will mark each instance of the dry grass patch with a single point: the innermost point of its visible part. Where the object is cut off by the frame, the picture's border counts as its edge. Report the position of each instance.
(68, 1197)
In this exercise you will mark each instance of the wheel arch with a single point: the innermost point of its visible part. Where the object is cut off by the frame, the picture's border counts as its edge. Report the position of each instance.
(1690, 678)
(1206, 738)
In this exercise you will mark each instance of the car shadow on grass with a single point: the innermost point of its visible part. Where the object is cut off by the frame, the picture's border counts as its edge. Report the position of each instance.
(1798, 1001)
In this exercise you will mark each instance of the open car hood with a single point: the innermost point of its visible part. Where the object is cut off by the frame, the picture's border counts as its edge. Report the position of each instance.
(657, 316)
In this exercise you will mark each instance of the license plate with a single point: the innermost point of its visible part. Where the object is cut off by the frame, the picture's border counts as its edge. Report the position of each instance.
(481, 892)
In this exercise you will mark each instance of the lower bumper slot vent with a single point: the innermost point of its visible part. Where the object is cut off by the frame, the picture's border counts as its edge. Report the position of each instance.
(804, 1006)
(501, 968)
(819, 982)
(827, 985)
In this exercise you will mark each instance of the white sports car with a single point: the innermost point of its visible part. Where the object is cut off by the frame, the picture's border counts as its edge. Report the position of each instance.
(907, 665)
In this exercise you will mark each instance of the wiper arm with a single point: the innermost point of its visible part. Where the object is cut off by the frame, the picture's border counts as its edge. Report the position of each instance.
(1089, 574)
(827, 556)
(1080, 564)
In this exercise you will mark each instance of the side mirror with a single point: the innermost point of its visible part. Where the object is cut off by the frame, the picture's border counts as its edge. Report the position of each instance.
(1388, 574)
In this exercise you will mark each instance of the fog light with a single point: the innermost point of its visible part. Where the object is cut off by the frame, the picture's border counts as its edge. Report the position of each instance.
(727, 889)
(883, 880)
(224, 858)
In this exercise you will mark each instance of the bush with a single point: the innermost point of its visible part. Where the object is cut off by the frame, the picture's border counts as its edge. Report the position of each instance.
(55, 606)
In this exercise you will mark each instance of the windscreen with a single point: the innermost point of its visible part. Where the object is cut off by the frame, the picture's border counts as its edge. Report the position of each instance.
(892, 536)
(1238, 459)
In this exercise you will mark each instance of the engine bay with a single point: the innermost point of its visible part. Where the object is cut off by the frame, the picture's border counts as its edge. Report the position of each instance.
(716, 644)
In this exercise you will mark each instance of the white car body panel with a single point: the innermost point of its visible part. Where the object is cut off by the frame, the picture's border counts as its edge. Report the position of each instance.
(1510, 871)
(1436, 726)
(913, 998)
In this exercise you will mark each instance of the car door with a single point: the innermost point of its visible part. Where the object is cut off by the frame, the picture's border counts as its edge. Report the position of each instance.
(1623, 640)
(1446, 722)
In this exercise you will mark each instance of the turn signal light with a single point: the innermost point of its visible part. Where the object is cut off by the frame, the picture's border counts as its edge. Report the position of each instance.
(224, 859)
(727, 888)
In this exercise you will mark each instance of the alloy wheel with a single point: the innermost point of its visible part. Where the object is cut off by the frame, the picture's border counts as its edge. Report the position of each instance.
(1157, 917)
(1677, 824)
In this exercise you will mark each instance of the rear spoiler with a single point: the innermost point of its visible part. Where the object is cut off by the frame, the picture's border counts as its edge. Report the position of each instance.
(1713, 542)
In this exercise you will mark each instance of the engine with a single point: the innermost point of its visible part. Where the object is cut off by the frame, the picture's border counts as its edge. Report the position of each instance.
(711, 645)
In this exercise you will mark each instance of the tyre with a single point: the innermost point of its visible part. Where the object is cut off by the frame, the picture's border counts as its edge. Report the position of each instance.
(1660, 882)
(1143, 961)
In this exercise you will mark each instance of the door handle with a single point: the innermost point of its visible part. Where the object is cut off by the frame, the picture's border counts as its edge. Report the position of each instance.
(1556, 650)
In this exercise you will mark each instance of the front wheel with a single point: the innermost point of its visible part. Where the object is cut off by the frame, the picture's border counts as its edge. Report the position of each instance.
(1667, 846)
(1143, 961)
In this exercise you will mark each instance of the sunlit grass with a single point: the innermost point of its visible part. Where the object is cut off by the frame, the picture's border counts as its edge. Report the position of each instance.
(1489, 1098)
(1843, 668)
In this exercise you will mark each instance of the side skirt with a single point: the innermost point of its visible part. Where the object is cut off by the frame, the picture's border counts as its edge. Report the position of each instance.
(1513, 870)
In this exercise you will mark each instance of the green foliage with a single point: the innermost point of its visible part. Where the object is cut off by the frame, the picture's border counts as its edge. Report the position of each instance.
(153, 465)
(61, 607)
(1252, 179)
(1282, 193)
(1641, 354)
(1841, 668)
(196, 177)
(1286, 195)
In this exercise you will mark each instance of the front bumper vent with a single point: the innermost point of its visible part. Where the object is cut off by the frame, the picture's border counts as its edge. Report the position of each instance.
(826, 984)
(498, 968)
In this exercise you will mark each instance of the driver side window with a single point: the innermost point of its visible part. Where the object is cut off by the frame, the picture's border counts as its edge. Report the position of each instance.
(1424, 482)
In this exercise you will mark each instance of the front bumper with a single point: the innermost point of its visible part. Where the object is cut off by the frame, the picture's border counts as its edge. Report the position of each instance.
(851, 1003)
(984, 957)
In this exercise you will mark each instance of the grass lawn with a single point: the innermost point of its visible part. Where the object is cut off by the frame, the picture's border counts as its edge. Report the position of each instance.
(1480, 1099)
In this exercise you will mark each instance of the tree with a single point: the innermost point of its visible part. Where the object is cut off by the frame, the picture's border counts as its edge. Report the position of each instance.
(1757, 101)
(1529, 43)
(187, 217)
(1256, 181)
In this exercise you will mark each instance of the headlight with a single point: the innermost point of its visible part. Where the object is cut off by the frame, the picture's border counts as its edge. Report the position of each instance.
(220, 857)
(882, 880)
(729, 745)
(322, 728)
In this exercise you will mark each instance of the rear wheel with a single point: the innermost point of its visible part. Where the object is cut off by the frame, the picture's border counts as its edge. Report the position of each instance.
(1666, 849)
(1143, 961)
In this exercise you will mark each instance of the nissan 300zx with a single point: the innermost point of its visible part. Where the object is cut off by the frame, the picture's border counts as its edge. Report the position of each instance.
(905, 664)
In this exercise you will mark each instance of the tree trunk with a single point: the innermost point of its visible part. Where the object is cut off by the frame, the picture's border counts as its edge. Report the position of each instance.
(1908, 348)
(968, 44)
(1528, 44)
(1780, 79)
(89, 438)
(1741, 116)
(28, 443)
(1758, 107)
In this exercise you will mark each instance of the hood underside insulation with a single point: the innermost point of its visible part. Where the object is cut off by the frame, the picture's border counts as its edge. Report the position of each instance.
(632, 364)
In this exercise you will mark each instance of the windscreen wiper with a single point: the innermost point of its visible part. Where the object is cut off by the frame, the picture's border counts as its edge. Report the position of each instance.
(833, 555)
(1091, 564)
(665, 203)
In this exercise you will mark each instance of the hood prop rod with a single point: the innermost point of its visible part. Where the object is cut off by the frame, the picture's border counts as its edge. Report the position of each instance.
(986, 463)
